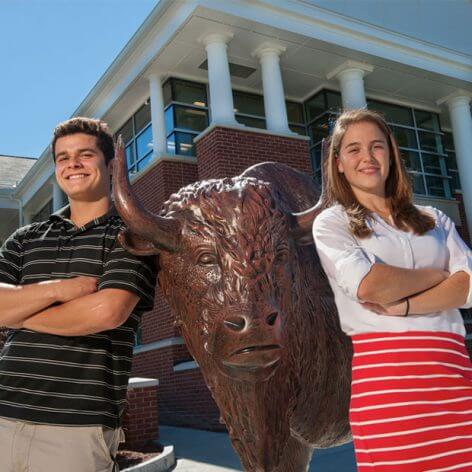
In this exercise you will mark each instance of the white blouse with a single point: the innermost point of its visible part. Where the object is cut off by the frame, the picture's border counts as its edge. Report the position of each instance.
(346, 260)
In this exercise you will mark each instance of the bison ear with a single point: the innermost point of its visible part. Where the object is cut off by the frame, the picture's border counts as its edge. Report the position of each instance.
(136, 245)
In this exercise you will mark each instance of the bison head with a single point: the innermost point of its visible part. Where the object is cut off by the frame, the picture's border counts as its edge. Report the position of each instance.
(227, 266)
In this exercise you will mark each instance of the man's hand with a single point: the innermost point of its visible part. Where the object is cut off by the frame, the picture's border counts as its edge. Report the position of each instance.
(390, 309)
(75, 287)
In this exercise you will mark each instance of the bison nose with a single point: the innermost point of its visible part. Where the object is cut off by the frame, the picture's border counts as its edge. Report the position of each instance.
(235, 323)
(272, 318)
(238, 323)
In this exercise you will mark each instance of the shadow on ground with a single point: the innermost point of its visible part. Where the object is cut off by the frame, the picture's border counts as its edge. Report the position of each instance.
(204, 451)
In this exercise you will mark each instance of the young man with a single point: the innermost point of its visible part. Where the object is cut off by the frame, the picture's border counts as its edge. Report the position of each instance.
(72, 298)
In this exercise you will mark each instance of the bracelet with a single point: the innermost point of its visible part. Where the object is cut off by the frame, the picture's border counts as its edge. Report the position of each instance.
(407, 307)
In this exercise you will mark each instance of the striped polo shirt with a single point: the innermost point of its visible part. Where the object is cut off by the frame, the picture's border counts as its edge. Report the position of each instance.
(71, 380)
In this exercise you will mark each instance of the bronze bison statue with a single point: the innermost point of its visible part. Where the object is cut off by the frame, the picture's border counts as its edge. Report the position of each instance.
(254, 307)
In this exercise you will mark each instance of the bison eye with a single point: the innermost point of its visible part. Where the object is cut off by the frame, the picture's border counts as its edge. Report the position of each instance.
(207, 258)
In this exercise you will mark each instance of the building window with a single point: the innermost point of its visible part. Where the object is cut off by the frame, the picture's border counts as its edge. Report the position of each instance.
(137, 137)
(186, 114)
(44, 213)
(427, 152)
(451, 163)
(321, 112)
(420, 140)
(249, 109)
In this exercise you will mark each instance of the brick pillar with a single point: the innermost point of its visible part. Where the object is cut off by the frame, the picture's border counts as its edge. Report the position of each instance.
(140, 421)
(153, 188)
(227, 151)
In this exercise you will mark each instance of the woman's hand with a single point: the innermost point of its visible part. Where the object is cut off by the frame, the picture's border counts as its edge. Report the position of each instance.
(390, 309)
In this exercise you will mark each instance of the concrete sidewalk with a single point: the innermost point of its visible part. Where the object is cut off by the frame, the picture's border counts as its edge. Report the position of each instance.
(204, 451)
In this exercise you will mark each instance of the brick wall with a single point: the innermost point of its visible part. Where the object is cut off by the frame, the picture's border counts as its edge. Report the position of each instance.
(140, 421)
(225, 152)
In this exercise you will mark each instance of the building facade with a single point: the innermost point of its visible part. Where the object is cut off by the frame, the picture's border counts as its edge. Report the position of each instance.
(12, 171)
(206, 88)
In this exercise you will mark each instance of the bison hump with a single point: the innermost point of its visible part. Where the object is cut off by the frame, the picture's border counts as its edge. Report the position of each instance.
(297, 189)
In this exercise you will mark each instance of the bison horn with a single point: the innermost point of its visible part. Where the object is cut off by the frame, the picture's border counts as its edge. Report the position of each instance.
(303, 221)
(163, 232)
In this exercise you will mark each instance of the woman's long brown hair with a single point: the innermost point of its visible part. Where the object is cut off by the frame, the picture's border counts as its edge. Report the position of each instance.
(398, 189)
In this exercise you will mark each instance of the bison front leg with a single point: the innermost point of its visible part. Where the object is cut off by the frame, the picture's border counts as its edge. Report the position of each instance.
(296, 456)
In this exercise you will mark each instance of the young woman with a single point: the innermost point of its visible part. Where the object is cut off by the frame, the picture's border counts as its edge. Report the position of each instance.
(399, 273)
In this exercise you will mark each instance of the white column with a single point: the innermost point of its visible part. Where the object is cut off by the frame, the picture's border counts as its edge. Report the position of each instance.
(158, 122)
(351, 81)
(461, 121)
(221, 94)
(57, 197)
(274, 97)
(26, 218)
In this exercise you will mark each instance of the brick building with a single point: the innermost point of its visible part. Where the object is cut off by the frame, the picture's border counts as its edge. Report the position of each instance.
(206, 88)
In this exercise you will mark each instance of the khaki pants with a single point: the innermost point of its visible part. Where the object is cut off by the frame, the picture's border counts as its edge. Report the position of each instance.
(27, 447)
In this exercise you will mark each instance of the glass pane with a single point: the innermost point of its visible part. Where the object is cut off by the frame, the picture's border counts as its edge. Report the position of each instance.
(190, 118)
(392, 113)
(418, 184)
(144, 143)
(142, 118)
(190, 92)
(317, 134)
(298, 129)
(436, 186)
(130, 158)
(455, 183)
(315, 155)
(427, 120)
(169, 118)
(132, 170)
(184, 142)
(315, 106)
(248, 103)
(451, 163)
(430, 141)
(411, 160)
(126, 131)
(325, 122)
(144, 162)
(431, 164)
(405, 137)
(252, 122)
(295, 112)
(167, 92)
(171, 144)
(448, 141)
(334, 100)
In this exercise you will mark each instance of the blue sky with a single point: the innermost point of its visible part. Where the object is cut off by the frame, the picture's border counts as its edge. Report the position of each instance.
(52, 52)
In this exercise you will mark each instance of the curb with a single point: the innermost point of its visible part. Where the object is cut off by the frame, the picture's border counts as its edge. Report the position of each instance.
(161, 463)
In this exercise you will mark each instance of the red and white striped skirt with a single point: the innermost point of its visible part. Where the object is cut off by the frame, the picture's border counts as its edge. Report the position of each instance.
(411, 402)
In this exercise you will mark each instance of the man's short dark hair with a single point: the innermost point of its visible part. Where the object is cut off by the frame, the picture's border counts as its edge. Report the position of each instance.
(90, 126)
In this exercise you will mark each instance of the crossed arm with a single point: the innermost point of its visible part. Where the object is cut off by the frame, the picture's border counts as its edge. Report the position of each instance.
(385, 289)
(67, 307)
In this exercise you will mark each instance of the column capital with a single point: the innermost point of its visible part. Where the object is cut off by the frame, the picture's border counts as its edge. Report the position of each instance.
(361, 67)
(221, 38)
(268, 48)
(458, 97)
